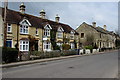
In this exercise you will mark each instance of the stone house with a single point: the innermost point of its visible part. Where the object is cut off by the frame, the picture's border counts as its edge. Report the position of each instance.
(21, 25)
(92, 35)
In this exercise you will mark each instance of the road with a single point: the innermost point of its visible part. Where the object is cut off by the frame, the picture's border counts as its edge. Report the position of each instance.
(94, 66)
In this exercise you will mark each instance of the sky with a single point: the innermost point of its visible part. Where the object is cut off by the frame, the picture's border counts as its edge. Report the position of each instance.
(75, 13)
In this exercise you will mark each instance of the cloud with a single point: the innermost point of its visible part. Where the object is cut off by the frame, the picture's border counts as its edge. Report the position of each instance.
(74, 13)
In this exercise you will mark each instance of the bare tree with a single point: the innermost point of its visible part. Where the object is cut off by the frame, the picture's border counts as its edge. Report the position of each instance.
(89, 39)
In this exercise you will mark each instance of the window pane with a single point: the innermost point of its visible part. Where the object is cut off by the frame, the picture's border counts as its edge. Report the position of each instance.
(9, 24)
(26, 47)
(8, 28)
(23, 47)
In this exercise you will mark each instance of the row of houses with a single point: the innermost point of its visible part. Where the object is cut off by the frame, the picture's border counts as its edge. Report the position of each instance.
(21, 27)
(93, 35)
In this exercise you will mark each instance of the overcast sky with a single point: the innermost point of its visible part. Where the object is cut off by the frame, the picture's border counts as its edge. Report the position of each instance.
(75, 13)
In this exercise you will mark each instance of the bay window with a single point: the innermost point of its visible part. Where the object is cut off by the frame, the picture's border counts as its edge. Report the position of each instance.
(24, 45)
(47, 46)
(72, 45)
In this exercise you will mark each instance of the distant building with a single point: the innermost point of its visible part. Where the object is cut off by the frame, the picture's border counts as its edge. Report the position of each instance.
(98, 36)
(21, 25)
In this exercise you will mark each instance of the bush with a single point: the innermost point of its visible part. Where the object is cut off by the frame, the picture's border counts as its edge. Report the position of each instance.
(89, 47)
(69, 52)
(9, 55)
(43, 55)
(65, 46)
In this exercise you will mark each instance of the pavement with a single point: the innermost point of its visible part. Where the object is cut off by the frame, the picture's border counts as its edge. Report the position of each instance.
(100, 65)
(46, 60)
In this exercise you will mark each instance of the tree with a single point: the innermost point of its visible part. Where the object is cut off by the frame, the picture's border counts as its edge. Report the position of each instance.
(32, 41)
(90, 39)
(53, 40)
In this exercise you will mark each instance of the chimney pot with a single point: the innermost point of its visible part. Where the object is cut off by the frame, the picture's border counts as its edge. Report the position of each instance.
(105, 27)
(94, 24)
(57, 18)
(22, 8)
(42, 14)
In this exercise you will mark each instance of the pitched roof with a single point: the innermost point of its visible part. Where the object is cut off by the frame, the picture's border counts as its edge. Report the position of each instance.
(99, 29)
(15, 17)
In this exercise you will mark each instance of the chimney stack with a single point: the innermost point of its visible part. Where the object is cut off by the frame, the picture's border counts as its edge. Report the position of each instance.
(94, 24)
(105, 27)
(22, 8)
(57, 18)
(42, 14)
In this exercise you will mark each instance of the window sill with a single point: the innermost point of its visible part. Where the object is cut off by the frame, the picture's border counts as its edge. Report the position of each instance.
(60, 37)
(9, 32)
(37, 35)
(23, 34)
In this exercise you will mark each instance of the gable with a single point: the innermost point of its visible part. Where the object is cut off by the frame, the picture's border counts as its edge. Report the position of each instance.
(86, 28)
(25, 22)
(72, 32)
(47, 27)
(60, 29)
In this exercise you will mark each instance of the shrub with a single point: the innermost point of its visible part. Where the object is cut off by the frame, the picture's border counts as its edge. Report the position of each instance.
(89, 47)
(9, 55)
(69, 52)
(65, 46)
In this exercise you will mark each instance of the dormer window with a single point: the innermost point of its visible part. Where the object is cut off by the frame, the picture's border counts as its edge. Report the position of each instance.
(72, 35)
(9, 28)
(60, 32)
(24, 26)
(47, 29)
(47, 32)
(23, 29)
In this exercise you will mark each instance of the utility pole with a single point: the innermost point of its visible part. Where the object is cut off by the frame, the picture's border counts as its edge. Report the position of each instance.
(5, 23)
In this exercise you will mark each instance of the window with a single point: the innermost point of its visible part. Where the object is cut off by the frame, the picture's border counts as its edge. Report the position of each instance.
(47, 32)
(72, 46)
(46, 45)
(9, 28)
(72, 36)
(24, 45)
(60, 34)
(36, 31)
(9, 43)
(23, 29)
(82, 35)
(60, 45)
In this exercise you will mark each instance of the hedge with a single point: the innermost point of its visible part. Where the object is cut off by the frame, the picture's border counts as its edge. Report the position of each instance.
(56, 53)
(9, 55)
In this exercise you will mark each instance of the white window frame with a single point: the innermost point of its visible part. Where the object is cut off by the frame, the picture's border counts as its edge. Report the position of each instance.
(47, 29)
(60, 32)
(46, 32)
(9, 27)
(47, 46)
(24, 26)
(24, 43)
(72, 45)
(24, 29)
(72, 35)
